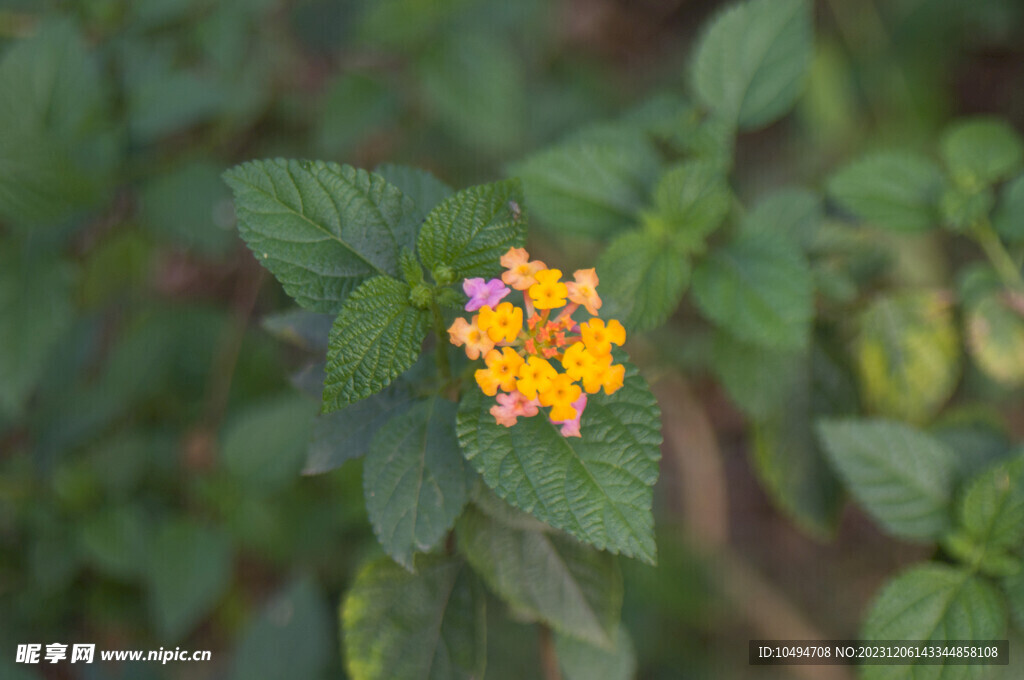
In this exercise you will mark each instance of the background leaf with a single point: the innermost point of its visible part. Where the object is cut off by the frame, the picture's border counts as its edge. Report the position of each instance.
(376, 337)
(582, 661)
(264, 446)
(995, 338)
(690, 202)
(642, 280)
(793, 213)
(320, 228)
(900, 476)
(981, 150)
(751, 64)
(992, 508)
(421, 187)
(891, 189)
(402, 626)
(1009, 215)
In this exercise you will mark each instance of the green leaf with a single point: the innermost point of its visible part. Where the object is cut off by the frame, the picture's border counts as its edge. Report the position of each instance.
(933, 602)
(901, 476)
(356, 108)
(547, 576)
(981, 150)
(189, 206)
(1009, 216)
(320, 228)
(430, 625)
(751, 64)
(962, 208)
(376, 337)
(292, 639)
(642, 281)
(690, 202)
(35, 312)
(760, 289)
(591, 185)
(787, 213)
(597, 487)
(304, 329)
(894, 190)
(908, 354)
(1013, 589)
(415, 480)
(582, 661)
(264, 445)
(995, 339)
(189, 570)
(757, 379)
(470, 231)
(116, 540)
(423, 188)
(992, 508)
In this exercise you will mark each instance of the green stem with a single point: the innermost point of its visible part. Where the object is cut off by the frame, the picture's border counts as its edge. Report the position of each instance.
(1004, 265)
(441, 351)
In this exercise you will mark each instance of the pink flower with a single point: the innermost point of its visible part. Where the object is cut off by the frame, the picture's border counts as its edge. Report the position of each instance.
(571, 428)
(482, 293)
(512, 405)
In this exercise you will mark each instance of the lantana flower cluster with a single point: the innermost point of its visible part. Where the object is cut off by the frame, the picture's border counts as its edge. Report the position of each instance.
(553, 361)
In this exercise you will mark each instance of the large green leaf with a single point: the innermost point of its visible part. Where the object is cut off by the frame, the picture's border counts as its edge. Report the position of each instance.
(790, 213)
(934, 602)
(35, 311)
(320, 228)
(992, 508)
(908, 354)
(189, 570)
(596, 487)
(593, 184)
(430, 625)
(582, 661)
(376, 337)
(757, 378)
(894, 190)
(470, 231)
(548, 576)
(264, 446)
(642, 281)
(901, 476)
(690, 202)
(995, 338)
(425, 190)
(981, 150)
(415, 479)
(760, 289)
(751, 64)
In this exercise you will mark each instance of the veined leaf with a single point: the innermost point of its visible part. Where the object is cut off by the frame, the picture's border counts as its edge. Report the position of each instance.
(690, 201)
(582, 661)
(933, 602)
(992, 509)
(760, 289)
(981, 150)
(415, 479)
(995, 338)
(423, 188)
(894, 190)
(430, 625)
(597, 487)
(591, 185)
(549, 576)
(789, 213)
(642, 280)
(376, 337)
(470, 231)
(901, 476)
(751, 64)
(320, 228)
(908, 354)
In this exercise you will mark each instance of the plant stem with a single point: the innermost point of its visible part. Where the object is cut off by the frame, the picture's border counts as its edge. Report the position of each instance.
(548, 657)
(1004, 265)
(441, 351)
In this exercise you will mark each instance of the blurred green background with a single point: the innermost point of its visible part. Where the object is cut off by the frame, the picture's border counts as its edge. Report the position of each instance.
(153, 424)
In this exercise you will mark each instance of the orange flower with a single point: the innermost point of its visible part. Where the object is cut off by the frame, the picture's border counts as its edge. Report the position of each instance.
(599, 338)
(521, 271)
(469, 334)
(583, 291)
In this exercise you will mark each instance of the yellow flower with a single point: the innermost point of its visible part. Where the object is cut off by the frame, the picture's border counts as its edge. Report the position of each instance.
(595, 374)
(577, 361)
(549, 292)
(599, 338)
(469, 334)
(613, 378)
(535, 376)
(583, 291)
(521, 271)
(560, 395)
(503, 367)
(503, 323)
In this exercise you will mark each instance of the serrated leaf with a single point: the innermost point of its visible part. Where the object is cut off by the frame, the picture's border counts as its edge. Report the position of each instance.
(981, 150)
(264, 445)
(415, 480)
(470, 231)
(597, 487)
(787, 213)
(430, 625)
(908, 354)
(320, 228)
(591, 185)
(690, 201)
(1009, 216)
(642, 281)
(995, 339)
(189, 569)
(376, 337)
(760, 289)
(582, 661)
(751, 64)
(933, 602)
(423, 188)
(547, 576)
(901, 476)
(992, 508)
(891, 189)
